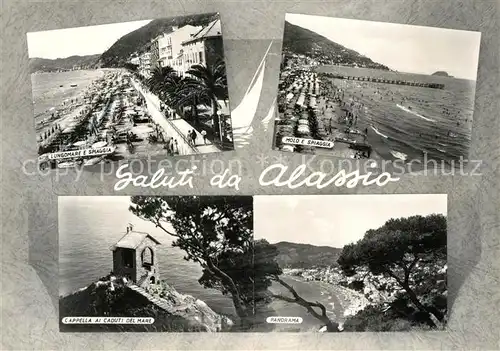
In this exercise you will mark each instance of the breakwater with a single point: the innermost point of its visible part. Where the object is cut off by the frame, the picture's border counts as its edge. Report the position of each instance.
(387, 81)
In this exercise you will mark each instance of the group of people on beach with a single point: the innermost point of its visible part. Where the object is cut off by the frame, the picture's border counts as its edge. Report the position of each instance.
(192, 136)
(173, 147)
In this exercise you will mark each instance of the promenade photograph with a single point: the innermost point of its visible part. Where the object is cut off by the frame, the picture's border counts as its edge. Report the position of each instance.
(351, 263)
(130, 90)
(371, 90)
(184, 261)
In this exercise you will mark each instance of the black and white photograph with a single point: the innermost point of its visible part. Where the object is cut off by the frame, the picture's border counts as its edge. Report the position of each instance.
(222, 264)
(352, 263)
(371, 90)
(130, 90)
(185, 261)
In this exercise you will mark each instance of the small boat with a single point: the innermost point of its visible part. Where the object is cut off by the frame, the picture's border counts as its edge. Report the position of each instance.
(399, 155)
(61, 86)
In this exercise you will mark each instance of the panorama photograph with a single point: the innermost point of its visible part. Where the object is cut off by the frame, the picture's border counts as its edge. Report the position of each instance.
(351, 263)
(371, 90)
(130, 90)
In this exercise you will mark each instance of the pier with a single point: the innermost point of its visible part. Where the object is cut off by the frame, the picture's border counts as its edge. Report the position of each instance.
(387, 81)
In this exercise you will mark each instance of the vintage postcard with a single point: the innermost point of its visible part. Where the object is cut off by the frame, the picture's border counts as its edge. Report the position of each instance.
(165, 264)
(130, 90)
(222, 264)
(381, 91)
(367, 263)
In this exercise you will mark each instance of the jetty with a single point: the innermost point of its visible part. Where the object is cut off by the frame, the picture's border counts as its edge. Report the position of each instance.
(387, 81)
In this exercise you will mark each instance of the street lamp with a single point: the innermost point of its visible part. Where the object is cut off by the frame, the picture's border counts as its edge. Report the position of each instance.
(219, 113)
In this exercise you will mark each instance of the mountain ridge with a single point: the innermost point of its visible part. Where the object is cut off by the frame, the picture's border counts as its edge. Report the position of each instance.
(118, 54)
(302, 41)
(295, 255)
(40, 64)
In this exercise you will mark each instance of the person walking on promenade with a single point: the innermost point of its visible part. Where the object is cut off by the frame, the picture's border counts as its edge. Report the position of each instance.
(176, 148)
(171, 146)
(204, 134)
(193, 137)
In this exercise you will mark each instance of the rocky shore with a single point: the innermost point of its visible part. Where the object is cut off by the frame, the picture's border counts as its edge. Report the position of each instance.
(364, 289)
(115, 297)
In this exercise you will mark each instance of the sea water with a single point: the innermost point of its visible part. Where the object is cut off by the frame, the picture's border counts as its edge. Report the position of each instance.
(89, 226)
(409, 121)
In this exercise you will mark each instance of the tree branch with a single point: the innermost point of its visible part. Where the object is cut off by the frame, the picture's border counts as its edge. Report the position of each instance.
(299, 300)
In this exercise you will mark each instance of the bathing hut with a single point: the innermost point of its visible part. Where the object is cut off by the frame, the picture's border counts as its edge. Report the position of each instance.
(134, 257)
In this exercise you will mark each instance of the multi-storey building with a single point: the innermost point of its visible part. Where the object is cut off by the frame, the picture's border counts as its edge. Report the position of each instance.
(170, 46)
(145, 64)
(155, 53)
(203, 48)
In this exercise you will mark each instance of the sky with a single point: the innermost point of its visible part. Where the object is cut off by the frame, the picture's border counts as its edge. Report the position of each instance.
(335, 220)
(61, 43)
(69, 208)
(404, 48)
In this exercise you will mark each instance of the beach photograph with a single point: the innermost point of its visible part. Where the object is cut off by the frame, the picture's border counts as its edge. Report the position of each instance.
(130, 90)
(380, 91)
(351, 263)
(185, 261)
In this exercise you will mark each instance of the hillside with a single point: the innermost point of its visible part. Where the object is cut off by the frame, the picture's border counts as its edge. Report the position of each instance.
(292, 255)
(301, 41)
(120, 51)
(441, 73)
(110, 297)
(47, 65)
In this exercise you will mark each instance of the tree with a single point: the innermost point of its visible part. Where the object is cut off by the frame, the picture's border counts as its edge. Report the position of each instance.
(397, 248)
(210, 84)
(159, 79)
(172, 91)
(214, 231)
(190, 94)
(266, 265)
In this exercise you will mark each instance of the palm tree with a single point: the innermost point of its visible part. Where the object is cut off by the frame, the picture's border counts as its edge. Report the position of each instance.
(190, 95)
(209, 84)
(159, 76)
(171, 91)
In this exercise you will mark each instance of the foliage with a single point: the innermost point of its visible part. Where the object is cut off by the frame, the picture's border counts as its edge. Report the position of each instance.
(214, 231)
(398, 249)
(294, 255)
(202, 85)
(302, 41)
(134, 41)
(115, 300)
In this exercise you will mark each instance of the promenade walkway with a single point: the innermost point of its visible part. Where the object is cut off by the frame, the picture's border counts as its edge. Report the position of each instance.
(179, 125)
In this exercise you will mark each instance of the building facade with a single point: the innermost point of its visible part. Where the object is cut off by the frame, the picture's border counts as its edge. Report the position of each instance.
(170, 46)
(145, 64)
(155, 53)
(203, 48)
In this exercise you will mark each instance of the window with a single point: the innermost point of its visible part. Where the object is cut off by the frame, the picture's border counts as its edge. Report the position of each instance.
(201, 57)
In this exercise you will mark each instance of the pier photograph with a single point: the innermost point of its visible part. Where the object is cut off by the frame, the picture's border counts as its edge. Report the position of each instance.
(337, 265)
(130, 90)
(381, 91)
(185, 261)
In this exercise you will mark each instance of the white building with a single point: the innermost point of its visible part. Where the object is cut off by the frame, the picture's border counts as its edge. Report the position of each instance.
(145, 64)
(135, 61)
(170, 46)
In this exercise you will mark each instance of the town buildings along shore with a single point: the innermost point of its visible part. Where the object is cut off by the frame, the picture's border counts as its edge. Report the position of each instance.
(180, 49)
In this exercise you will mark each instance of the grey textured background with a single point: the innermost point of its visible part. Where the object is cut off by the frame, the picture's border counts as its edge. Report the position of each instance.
(29, 203)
